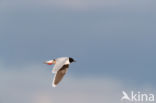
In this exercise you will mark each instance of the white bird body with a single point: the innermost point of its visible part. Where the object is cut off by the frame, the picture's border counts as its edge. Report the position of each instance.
(59, 63)
(60, 68)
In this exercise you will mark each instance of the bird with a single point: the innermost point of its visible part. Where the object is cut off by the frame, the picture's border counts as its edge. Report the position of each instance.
(60, 68)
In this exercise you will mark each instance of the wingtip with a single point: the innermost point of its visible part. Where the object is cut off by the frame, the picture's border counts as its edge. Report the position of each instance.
(53, 85)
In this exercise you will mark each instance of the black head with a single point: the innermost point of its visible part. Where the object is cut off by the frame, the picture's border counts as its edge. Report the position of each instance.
(71, 60)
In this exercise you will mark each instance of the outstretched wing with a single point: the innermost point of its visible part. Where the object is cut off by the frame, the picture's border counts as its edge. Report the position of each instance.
(59, 64)
(60, 74)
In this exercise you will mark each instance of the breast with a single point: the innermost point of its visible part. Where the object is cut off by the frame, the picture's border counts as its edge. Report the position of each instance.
(67, 62)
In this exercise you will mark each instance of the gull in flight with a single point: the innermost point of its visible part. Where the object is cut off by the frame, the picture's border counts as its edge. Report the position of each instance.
(60, 68)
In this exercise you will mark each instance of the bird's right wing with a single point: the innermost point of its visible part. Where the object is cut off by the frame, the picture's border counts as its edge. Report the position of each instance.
(60, 74)
(59, 64)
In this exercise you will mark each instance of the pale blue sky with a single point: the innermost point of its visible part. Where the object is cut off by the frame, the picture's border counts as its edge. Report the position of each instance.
(114, 39)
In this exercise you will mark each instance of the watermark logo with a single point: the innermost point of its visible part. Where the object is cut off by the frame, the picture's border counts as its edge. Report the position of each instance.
(137, 97)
